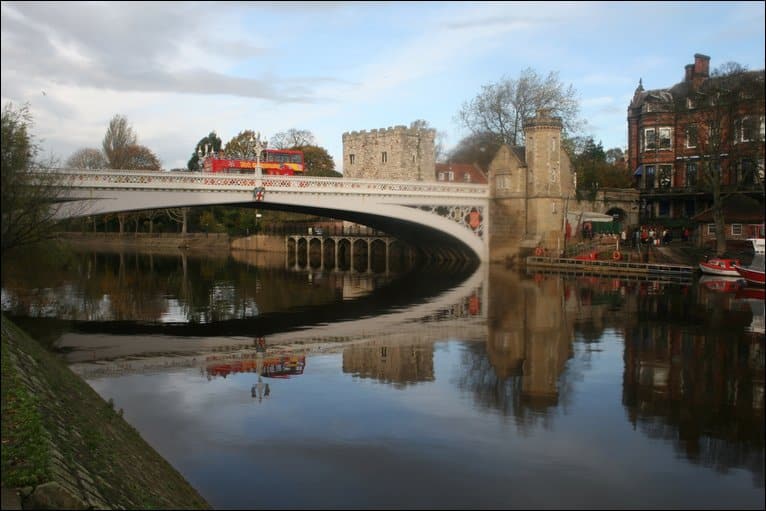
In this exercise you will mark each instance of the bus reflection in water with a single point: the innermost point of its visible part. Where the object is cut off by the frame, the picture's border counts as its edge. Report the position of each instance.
(279, 366)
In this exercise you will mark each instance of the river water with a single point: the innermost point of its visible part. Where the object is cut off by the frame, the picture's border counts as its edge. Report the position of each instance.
(434, 387)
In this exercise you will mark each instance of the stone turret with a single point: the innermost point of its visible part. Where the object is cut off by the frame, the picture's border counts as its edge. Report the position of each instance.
(529, 187)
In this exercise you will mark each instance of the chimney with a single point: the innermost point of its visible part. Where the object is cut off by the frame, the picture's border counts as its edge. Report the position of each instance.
(689, 72)
(701, 65)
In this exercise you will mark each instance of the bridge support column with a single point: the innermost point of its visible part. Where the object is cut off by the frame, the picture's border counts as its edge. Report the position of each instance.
(369, 256)
(297, 239)
(337, 245)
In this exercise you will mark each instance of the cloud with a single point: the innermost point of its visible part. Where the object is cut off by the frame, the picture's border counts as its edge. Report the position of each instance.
(155, 48)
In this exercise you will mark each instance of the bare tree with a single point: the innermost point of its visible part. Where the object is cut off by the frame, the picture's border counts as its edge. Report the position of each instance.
(292, 138)
(479, 148)
(119, 136)
(87, 158)
(439, 150)
(728, 130)
(501, 107)
(29, 199)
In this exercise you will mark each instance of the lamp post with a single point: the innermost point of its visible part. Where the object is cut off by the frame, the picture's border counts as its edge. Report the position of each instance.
(258, 145)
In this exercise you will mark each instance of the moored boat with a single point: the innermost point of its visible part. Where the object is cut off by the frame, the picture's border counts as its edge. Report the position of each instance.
(759, 245)
(720, 266)
(754, 274)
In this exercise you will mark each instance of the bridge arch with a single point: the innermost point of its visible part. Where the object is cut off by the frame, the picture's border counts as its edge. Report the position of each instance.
(439, 218)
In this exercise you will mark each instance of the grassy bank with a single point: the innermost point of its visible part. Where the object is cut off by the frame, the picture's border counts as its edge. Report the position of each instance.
(65, 447)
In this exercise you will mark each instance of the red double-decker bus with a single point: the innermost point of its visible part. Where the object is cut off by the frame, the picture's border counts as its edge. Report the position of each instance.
(280, 162)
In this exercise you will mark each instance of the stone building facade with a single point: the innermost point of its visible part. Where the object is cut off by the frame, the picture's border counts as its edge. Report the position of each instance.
(531, 187)
(394, 154)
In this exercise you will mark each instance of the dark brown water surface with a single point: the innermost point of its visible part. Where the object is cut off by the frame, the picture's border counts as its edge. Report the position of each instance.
(473, 388)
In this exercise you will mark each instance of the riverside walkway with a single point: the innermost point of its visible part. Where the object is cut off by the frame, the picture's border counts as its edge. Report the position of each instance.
(635, 270)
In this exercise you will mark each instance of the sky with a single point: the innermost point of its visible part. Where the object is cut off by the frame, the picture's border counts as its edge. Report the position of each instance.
(179, 70)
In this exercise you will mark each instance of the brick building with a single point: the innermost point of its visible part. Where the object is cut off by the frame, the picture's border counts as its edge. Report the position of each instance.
(678, 135)
(460, 173)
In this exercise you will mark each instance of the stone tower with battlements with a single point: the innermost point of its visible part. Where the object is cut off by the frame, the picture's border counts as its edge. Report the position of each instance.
(530, 189)
(392, 154)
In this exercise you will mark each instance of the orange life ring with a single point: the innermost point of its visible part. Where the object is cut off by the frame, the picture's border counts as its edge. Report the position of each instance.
(539, 251)
(616, 255)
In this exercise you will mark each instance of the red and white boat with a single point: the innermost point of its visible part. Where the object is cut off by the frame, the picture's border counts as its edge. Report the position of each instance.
(720, 266)
(753, 274)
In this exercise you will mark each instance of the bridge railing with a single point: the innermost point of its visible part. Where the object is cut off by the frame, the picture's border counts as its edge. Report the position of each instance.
(126, 179)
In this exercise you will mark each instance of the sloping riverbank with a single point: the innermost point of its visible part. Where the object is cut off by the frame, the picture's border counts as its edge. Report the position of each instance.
(64, 447)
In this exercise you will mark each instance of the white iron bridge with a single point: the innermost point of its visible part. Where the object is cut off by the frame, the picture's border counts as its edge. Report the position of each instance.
(433, 216)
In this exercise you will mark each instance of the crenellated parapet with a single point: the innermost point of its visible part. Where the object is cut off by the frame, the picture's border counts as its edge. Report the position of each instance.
(393, 153)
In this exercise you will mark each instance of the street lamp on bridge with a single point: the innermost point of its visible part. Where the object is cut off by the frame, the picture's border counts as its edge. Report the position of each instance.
(257, 145)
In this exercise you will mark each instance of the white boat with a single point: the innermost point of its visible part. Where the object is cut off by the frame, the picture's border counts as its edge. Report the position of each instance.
(759, 245)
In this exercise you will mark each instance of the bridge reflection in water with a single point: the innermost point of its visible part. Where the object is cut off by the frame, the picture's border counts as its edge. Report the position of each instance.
(692, 364)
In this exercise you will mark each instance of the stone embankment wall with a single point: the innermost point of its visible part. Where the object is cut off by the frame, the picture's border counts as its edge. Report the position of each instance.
(92, 457)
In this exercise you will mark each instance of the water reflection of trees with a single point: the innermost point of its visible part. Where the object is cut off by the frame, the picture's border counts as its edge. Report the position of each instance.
(693, 374)
(136, 286)
(703, 391)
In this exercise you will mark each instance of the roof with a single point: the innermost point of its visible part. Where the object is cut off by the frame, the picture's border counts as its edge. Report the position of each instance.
(684, 88)
(460, 170)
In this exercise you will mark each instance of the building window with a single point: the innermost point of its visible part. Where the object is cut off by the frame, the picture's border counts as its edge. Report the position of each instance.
(745, 172)
(736, 229)
(450, 176)
(441, 176)
(467, 177)
(351, 159)
(691, 174)
(665, 176)
(690, 103)
(649, 183)
(503, 182)
(663, 208)
(711, 229)
(384, 156)
(691, 136)
(666, 138)
(747, 128)
(650, 142)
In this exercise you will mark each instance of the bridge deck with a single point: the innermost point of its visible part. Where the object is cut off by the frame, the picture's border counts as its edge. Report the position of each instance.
(649, 271)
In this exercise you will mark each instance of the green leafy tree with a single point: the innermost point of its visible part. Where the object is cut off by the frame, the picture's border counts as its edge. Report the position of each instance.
(318, 162)
(502, 107)
(593, 169)
(29, 200)
(212, 142)
(241, 146)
